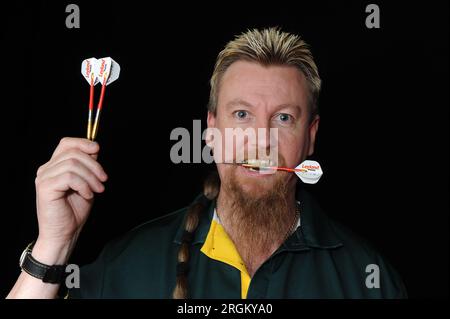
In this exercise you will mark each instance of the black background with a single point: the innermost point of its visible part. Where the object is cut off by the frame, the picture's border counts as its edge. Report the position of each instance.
(383, 137)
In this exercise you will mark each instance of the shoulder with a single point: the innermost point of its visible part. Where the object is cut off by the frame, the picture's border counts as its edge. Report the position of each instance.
(143, 254)
(367, 263)
(353, 258)
(150, 236)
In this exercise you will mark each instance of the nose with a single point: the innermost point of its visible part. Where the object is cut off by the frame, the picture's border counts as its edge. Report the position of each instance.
(262, 142)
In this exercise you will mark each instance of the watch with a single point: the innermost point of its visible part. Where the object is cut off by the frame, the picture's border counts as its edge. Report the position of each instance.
(48, 274)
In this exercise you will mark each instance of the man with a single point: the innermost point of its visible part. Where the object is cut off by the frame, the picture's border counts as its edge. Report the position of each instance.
(250, 235)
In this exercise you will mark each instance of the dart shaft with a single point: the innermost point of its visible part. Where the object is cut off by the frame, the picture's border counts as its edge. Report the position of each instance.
(94, 130)
(91, 107)
(102, 94)
(285, 169)
(91, 96)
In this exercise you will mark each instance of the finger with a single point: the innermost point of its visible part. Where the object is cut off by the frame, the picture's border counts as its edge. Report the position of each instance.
(67, 143)
(76, 167)
(82, 144)
(82, 157)
(66, 181)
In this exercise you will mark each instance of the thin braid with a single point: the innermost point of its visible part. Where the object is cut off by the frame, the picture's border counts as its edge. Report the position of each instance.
(210, 191)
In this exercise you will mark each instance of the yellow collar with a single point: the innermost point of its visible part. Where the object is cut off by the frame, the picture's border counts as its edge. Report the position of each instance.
(219, 246)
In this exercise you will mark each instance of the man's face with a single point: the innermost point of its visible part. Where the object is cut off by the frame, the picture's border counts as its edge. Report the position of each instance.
(255, 96)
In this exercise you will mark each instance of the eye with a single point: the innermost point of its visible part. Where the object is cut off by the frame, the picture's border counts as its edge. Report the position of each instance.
(283, 117)
(241, 114)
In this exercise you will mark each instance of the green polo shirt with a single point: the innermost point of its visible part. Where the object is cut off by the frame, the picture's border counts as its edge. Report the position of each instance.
(321, 259)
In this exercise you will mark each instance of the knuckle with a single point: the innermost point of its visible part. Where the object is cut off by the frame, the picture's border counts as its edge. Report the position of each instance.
(64, 140)
(39, 170)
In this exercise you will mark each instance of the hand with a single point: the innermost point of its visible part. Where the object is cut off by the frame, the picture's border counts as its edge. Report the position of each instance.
(65, 188)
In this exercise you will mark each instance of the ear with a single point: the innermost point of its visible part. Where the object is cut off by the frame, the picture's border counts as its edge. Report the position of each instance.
(211, 123)
(313, 128)
(211, 120)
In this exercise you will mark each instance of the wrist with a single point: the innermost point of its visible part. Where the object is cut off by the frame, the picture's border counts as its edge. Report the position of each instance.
(51, 252)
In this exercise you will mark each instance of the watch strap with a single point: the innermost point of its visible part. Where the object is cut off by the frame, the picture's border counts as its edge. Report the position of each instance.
(48, 274)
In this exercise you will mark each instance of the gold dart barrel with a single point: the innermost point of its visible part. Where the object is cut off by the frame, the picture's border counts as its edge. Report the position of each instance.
(96, 124)
(89, 126)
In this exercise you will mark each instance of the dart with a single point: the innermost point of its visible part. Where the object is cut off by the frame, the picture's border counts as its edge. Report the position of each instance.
(88, 69)
(106, 71)
(308, 171)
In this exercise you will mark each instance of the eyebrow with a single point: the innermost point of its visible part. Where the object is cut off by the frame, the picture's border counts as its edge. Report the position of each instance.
(239, 102)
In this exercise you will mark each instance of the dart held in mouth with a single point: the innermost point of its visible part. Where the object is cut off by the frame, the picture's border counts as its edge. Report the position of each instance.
(308, 171)
(104, 71)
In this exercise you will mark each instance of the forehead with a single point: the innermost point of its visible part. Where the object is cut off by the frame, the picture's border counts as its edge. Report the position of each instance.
(263, 85)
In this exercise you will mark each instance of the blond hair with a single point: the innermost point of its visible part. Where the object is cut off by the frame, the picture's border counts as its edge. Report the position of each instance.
(268, 47)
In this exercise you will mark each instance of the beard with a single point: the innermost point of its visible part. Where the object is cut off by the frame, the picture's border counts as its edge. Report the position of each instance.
(257, 219)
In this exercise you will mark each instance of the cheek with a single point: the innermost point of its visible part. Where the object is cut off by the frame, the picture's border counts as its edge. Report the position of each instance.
(232, 148)
(292, 148)
(227, 147)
